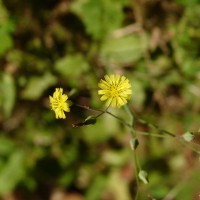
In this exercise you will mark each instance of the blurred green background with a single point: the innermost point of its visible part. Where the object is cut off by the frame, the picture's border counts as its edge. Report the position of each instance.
(72, 44)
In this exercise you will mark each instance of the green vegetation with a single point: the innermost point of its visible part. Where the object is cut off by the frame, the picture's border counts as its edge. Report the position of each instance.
(72, 44)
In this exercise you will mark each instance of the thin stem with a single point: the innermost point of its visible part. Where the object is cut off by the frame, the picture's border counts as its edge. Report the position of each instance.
(137, 182)
(137, 163)
(120, 119)
(190, 147)
(96, 110)
(140, 120)
(152, 134)
(102, 112)
(88, 108)
(105, 111)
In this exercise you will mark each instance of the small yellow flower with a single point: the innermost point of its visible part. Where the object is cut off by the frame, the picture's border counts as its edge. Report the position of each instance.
(59, 103)
(115, 89)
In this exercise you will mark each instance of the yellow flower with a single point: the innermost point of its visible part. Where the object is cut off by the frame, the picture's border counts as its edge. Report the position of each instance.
(115, 89)
(59, 103)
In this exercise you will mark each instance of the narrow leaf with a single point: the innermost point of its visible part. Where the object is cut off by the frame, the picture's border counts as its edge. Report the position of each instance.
(134, 143)
(188, 136)
(88, 121)
(143, 176)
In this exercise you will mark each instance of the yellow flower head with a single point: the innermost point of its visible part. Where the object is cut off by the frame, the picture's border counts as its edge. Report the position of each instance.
(115, 89)
(59, 103)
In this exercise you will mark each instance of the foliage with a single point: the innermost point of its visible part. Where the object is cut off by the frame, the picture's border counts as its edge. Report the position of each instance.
(72, 44)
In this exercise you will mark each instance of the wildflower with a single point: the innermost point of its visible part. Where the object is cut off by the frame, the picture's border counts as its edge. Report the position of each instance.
(115, 89)
(59, 103)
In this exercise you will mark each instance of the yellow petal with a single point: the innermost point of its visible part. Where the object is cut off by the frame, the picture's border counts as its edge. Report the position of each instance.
(117, 78)
(112, 78)
(103, 98)
(108, 79)
(108, 101)
(102, 92)
(103, 85)
(114, 102)
(66, 108)
(120, 102)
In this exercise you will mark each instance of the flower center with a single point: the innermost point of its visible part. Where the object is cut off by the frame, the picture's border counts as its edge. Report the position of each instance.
(114, 91)
(60, 104)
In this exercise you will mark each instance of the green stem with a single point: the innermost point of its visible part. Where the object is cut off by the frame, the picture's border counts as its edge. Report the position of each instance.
(119, 119)
(190, 147)
(104, 111)
(136, 161)
(152, 134)
(132, 121)
(142, 121)
(88, 108)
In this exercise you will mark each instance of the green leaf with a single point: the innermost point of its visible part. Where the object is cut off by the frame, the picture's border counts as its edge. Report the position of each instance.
(90, 120)
(66, 66)
(143, 176)
(96, 188)
(72, 67)
(121, 51)
(100, 16)
(12, 173)
(37, 85)
(8, 94)
(6, 27)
